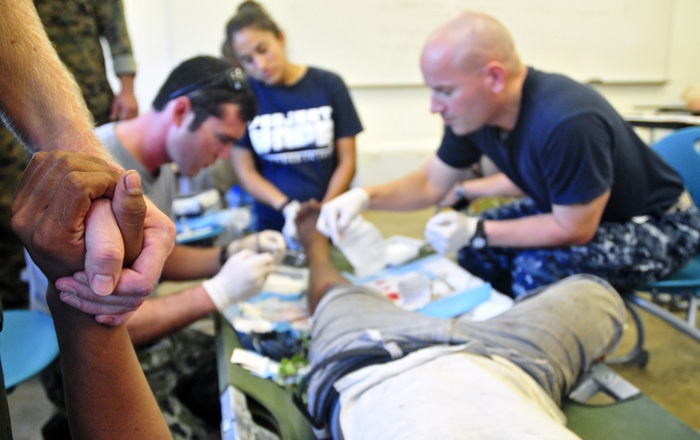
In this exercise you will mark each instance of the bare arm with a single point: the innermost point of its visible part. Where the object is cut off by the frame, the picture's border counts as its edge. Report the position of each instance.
(416, 190)
(489, 186)
(345, 171)
(258, 186)
(494, 185)
(107, 395)
(566, 226)
(104, 383)
(161, 316)
(43, 106)
(43, 103)
(190, 262)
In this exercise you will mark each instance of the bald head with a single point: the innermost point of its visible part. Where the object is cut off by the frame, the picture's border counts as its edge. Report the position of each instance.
(469, 41)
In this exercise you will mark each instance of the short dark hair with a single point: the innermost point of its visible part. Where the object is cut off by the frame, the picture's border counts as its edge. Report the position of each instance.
(207, 100)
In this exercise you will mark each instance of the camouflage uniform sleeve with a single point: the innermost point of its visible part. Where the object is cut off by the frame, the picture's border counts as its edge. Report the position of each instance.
(110, 16)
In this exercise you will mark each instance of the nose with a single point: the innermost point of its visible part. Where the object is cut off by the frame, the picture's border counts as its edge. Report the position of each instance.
(260, 62)
(436, 105)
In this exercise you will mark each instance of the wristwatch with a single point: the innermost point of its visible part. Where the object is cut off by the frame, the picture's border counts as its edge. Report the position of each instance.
(461, 200)
(479, 239)
(459, 192)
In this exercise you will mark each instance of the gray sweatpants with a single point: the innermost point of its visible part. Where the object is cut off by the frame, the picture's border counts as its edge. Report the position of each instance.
(554, 334)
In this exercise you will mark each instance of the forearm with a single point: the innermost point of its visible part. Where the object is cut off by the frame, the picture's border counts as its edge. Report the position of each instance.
(262, 189)
(127, 84)
(158, 317)
(530, 232)
(43, 105)
(189, 263)
(340, 180)
(494, 185)
(413, 191)
(103, 380)
(344, 171)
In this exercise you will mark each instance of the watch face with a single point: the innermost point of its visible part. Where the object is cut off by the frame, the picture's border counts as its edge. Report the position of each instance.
(478, 242)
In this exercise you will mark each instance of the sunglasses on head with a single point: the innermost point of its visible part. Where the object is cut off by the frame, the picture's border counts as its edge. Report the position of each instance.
(234, 78)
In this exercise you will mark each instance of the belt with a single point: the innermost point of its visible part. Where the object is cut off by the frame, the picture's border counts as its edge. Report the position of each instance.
(684, 203)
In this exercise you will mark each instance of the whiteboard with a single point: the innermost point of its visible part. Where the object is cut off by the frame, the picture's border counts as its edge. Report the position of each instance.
(378, 42)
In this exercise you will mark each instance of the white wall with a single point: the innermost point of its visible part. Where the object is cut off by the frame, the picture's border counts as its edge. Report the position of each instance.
(395, 118)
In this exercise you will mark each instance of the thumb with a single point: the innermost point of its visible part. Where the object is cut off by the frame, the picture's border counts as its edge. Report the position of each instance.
(104, 248)
(129, 207)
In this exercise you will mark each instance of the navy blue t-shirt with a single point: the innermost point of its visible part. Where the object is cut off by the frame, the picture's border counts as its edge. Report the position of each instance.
(570, 146)
(293, 137)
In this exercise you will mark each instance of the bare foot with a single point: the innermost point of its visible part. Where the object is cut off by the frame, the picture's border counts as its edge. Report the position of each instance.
(306, 219)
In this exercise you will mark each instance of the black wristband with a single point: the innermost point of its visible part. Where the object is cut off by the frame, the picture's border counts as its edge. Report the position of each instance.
(284, 205)
(223, 255)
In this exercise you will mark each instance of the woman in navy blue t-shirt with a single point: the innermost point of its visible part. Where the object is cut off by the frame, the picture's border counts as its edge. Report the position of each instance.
(301, 145)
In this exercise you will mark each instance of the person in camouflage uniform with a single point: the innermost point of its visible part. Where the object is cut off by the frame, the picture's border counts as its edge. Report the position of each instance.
(75, 28)
(13, 160)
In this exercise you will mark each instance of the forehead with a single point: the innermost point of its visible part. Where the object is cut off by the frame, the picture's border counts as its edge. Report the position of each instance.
(442, 66)
(247, 39)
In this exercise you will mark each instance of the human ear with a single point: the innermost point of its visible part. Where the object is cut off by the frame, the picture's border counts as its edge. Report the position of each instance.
(495, 77)
(181, 108)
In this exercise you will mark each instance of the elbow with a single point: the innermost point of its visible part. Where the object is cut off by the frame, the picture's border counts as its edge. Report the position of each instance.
(580, 238)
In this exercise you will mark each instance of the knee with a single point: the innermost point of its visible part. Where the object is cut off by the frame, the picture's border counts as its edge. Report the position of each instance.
(593, 293)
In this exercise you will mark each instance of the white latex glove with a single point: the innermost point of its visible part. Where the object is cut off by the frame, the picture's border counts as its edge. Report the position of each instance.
(336, 214)
(241, 278)
(289, 230)
(449, 231)
(264, 241)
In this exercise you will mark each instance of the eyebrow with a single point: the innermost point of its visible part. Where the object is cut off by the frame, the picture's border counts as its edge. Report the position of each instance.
(226, 138)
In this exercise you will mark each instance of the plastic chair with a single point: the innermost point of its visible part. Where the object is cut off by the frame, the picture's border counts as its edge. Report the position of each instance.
(28, 344)
(681, 150)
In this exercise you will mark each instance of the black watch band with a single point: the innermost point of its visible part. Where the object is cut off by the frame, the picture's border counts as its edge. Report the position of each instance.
(223, 255)
(459, 192)
(284, 205)
(479, 239)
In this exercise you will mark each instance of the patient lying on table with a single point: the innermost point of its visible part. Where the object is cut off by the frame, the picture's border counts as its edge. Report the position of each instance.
(392, 373)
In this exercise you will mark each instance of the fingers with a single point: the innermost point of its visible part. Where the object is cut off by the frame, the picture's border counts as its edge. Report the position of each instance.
(115, 111)
(264, 263)
(436, 233)
(104, 248)
(337, 214)
(327, 223)
(113, 309)
(50, 206)
(85, 300)
(158, 242)
(129, 209)
(274, 243)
